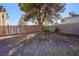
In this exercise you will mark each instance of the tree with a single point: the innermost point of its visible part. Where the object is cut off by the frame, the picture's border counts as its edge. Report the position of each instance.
(55, 19)
(41, 11)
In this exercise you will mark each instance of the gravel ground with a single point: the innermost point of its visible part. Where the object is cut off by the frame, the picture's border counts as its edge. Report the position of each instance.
(40, 44)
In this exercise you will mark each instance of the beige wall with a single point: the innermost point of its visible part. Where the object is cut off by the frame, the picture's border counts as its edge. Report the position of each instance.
(3, 21)
(72, 28)
(73, 19)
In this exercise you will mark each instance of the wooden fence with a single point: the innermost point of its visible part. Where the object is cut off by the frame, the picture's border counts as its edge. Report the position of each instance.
(10, 30)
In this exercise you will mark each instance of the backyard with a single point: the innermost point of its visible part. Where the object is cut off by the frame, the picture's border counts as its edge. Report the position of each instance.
(39, 29)
(40, 44)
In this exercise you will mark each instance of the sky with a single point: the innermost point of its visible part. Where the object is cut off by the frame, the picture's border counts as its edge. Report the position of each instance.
(15, 13)
(71, 7)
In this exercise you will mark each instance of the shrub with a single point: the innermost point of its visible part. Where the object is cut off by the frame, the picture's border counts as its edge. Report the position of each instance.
(56, 29)
(46, 30)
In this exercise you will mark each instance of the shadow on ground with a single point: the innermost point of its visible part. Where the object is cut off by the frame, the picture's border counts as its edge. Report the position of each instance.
(40, 44)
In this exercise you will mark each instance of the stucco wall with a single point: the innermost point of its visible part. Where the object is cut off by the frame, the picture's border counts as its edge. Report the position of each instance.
(3, 21)
(71, 19)
(72, 28)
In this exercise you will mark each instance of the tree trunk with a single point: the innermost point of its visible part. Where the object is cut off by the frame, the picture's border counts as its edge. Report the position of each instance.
(40, 21)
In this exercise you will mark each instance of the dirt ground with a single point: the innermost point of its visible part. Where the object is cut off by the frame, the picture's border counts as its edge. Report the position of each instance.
(40, 44)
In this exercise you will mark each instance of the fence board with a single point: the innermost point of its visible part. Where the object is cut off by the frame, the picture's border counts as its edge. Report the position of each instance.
(9, 30)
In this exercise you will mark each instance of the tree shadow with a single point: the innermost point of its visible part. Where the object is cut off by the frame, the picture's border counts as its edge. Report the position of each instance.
(13, 45)
(26, 38)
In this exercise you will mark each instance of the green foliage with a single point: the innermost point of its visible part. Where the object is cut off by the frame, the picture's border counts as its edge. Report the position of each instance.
(46, 23)
(46, 30)
(36, 10)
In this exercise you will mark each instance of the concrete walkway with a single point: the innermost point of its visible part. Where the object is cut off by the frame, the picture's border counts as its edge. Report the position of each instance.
(11, 36)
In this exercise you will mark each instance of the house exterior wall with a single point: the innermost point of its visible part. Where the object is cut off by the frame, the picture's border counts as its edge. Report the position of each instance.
(72, 28)
(71, 25)
(74, 19)
(3, 19)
